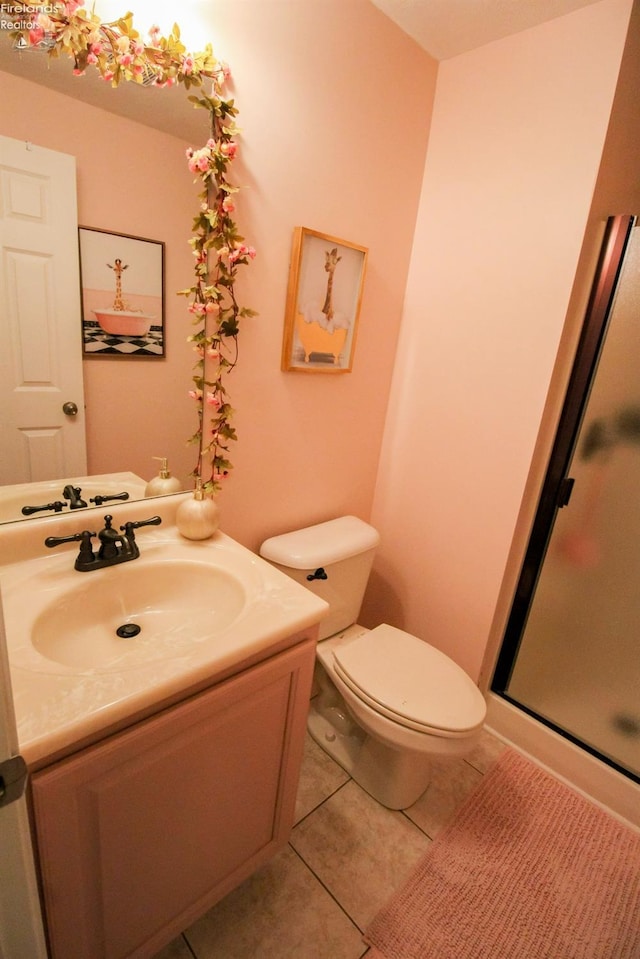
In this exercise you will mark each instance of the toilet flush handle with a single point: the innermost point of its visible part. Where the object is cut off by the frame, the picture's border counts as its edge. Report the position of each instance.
(319, 574)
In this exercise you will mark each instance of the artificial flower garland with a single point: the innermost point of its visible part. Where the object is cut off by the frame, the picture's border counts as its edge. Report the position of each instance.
(117, 51)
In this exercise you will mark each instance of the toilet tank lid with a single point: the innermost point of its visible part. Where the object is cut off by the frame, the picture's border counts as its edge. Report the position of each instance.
(322, 544)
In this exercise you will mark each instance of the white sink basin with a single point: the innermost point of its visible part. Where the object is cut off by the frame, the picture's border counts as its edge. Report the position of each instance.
(136, 613)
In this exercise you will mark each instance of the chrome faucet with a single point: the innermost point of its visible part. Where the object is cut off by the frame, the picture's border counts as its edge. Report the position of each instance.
(114, 548)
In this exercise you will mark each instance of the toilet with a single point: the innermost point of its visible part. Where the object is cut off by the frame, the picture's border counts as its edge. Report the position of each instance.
(388, 703)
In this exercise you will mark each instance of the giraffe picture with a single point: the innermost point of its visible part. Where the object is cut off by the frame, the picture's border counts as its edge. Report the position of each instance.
(122, 279)
(326, 281)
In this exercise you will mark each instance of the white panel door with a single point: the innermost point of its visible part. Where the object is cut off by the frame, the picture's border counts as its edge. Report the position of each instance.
(40, 316)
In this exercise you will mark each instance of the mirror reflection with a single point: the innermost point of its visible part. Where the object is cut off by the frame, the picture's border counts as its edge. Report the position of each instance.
(133, 411)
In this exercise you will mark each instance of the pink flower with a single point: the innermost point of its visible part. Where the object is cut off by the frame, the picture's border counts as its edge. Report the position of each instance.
(77, 72)
(125, 60)
(222, 73)
(240, 250)
(198, 160)
(96, 47)
(154, 33)
(228, 205)
(138, 48)
(92, 58)
(213, 353)
(213, 399)
(36, 34)
(212, 307)
(229, 149)
(108, 75)
(195, 394)
(188, 64)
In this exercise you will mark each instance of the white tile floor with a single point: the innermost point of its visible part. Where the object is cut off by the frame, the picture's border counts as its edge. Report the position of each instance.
(346, 857)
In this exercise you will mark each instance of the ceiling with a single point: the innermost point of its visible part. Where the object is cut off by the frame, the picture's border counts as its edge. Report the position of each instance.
(446, 28)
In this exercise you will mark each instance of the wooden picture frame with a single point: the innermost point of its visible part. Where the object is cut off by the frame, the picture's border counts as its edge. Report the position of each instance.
(122, 289)
(326, 280)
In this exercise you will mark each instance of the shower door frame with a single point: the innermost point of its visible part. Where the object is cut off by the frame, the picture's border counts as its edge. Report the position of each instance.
(557, 484)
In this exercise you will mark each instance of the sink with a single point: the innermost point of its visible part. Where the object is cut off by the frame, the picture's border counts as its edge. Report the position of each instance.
(135, 614)
(205, 609)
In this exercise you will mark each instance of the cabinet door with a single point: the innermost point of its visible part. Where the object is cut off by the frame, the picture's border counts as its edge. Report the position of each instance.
(142, 833)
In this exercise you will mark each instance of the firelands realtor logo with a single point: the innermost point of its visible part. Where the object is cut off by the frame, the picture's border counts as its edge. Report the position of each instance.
(22, 16)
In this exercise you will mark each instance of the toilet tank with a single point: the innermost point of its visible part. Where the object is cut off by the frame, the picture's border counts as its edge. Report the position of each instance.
(342, 549)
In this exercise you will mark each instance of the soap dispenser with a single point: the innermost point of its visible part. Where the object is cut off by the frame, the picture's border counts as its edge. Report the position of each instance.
(164, 482)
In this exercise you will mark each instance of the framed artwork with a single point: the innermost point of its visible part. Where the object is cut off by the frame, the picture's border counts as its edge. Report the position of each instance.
(326, 280)
(122, 286)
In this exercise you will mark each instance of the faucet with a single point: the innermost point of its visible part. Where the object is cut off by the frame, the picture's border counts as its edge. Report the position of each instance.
(72, 493)
(114, 548)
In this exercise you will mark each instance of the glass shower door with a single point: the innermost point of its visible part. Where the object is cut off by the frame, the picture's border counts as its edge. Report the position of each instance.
(572, 651)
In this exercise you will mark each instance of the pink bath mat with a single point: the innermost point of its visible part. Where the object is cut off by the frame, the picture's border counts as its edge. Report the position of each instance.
(528, 869)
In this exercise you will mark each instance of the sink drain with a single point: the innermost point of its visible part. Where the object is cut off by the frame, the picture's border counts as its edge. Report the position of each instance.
(128, 630)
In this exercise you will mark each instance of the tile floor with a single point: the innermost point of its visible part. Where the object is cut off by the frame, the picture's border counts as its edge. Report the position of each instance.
(346, 857)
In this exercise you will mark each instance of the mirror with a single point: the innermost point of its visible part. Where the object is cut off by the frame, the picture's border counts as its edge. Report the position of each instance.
(120, 441)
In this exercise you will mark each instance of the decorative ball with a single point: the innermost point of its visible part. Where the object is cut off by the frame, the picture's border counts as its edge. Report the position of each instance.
(198, 518)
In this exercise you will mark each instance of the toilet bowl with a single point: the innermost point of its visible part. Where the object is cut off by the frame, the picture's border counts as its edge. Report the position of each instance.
(388, 703)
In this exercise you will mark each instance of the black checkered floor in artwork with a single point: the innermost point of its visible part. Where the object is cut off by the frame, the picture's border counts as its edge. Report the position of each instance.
(99, 343)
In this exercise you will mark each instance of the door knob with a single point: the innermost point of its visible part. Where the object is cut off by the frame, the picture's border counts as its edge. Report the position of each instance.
(69, 409)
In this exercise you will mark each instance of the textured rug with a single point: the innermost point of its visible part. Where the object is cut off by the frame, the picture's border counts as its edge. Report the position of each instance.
(528, 869)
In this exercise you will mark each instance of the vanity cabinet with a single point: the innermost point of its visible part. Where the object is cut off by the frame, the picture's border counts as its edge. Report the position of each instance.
(141, 833)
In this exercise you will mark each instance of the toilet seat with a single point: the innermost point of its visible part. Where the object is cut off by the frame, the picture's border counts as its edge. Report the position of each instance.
(410, 682)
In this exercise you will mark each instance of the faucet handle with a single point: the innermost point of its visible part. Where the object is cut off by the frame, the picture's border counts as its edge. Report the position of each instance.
(130, 526)
(57, 507)
(102, 498)
(84, 537)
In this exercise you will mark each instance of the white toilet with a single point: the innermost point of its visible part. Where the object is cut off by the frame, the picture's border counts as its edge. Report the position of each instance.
(388, 702)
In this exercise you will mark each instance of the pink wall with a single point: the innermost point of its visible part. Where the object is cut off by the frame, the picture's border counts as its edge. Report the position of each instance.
(334, 139)
(334, 134)
(514, 149)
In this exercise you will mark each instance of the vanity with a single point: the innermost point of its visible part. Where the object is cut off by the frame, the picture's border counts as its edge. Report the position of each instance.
(163, 765)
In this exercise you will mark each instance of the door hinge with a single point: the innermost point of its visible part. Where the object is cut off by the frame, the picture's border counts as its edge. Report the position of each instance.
(13, 779)
(564, 491)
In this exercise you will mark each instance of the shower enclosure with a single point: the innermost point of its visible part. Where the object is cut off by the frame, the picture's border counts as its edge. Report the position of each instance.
(571, 652)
